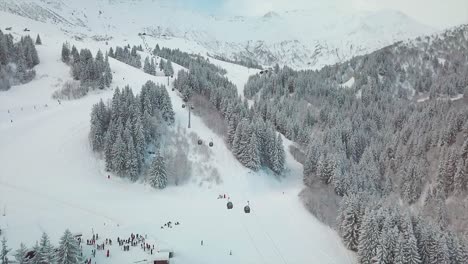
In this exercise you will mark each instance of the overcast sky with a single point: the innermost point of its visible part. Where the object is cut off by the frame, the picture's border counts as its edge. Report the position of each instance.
(437, 13)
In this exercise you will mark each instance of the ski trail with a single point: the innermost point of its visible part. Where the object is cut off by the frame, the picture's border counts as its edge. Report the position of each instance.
(57, 201)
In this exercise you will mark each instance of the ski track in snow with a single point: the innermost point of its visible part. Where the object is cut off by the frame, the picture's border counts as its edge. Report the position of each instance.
(50, 180)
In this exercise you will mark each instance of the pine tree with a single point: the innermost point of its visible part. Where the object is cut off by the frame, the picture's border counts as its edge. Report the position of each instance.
(152, 67)
(399, 250)
(20, 254)
(279, 155)
(147, 66)
(118, 155)
(253, 154)
(162, 65)
(132, 160)
(4, 251)
(168, 70)
(460, 178)
(69, 251)
(411, 254)
(107, 72)
(369, 238)
(38, 40)
(46, 250)
(157, 174)
(156, 50)
(350, 221)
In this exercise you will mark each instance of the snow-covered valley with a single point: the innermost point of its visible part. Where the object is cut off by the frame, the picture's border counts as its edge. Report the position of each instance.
(51, 180)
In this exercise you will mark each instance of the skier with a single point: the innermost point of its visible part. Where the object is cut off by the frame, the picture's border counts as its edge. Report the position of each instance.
(230, 252)
(108, 176)
(201, 242)
(107, 253)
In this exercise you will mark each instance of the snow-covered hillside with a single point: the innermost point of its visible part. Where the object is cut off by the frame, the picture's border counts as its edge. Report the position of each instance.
(299, 38)
(50, 180)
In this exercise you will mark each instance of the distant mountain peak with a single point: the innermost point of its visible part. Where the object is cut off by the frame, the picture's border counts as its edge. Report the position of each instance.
(271, 14)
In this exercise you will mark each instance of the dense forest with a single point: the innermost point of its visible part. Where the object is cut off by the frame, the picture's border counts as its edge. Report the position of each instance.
(251, 137)
(17, 60)
(88, 72)
(127, 55)
(129, 128)
(388, 171)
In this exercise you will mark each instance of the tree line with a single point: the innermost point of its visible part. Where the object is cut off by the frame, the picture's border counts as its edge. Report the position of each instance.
(129, 127)
(246, 62)
(127, 55)
(67, 252)
(17, 60)
(151, 67)
(372, 142)
(90, 71)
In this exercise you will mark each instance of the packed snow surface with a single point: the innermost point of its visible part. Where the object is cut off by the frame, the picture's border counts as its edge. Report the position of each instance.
(51, 180)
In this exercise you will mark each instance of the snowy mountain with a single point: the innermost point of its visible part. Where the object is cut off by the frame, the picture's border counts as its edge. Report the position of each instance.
(65, 185)
(300, 38)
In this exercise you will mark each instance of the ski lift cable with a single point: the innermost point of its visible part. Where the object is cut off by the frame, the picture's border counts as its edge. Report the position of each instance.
(330, 259)
(252, 241)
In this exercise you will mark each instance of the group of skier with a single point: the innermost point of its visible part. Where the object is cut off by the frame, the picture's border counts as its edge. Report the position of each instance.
(169, 224)
(45, 105)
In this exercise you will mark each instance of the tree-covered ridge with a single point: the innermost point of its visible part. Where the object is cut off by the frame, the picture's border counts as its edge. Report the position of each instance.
(436, 66)
(90, 71)
(246, 62)
(185, 59)
(127, 55)
(129, 127)
(252, 139)
(382, 152)
(16, 60)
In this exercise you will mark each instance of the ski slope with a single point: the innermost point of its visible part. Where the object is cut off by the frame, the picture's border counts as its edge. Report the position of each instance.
(50, 180)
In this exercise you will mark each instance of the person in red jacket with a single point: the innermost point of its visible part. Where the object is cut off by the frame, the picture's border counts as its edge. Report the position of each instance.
(107, 253)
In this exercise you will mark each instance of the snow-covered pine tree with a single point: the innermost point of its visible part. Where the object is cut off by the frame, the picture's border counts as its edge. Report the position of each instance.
(369, 238)
(111, 52)
(278, 155)
(4, 251)
(46, 250)
(253, 154)
(398, 251)
(38, 40)
(107, 72)
(162, 65)
(119, 155)
(69, 251)
(156, 50)
(350, 225)
(460, 178)
(168, 69)
(20, 254)
(132, 160)
(232, 125)
(147, 66)
(36, 259)
(157, 174)
(153, 67)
